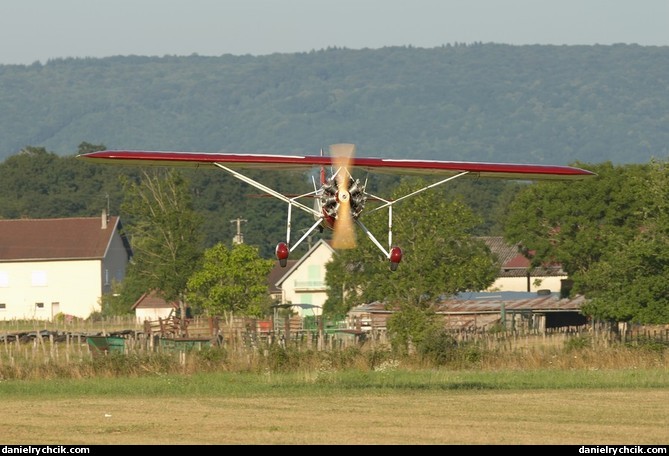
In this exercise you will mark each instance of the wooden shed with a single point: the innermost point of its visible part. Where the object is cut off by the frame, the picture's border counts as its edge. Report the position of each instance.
(150, 306)
(484, 311)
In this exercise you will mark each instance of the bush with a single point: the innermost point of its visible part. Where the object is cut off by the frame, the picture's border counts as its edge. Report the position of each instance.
(437, 346)
(471, 353)
(212, 356)
(577, 343)
(409, 327)
(648, 344)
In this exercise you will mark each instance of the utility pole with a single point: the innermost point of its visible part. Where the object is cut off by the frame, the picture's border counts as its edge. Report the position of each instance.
(309, 238)
(239, 237)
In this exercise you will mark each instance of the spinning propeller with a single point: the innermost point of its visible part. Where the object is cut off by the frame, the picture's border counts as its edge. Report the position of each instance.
(344, 229)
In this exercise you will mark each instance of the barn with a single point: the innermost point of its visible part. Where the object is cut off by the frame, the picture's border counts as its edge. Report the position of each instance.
(485, 311)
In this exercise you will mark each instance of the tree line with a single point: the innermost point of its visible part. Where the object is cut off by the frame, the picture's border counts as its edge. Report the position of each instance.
(486, 102)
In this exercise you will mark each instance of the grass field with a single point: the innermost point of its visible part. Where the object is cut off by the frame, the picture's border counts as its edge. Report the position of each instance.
(431, 407)
(505, 391)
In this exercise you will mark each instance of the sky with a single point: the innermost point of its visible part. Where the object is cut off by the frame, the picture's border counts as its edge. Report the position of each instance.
(40, 30)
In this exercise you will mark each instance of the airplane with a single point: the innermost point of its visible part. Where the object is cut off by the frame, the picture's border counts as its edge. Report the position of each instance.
(339, 197)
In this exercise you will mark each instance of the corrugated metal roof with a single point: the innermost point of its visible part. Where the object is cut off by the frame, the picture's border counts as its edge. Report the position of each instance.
(548, 303)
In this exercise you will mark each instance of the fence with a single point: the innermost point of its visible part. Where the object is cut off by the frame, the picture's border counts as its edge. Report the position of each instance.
(248, 333)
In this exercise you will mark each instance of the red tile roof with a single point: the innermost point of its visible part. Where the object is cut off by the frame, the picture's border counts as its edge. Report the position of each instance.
(513, 263)
(504, 252)
(56, 239)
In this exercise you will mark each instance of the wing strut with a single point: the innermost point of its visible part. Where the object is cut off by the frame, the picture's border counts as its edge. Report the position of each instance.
(270, 191)
(283, 249)
(390, 203)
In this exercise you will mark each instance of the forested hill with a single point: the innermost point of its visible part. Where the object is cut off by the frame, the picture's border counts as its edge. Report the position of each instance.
(544, 104)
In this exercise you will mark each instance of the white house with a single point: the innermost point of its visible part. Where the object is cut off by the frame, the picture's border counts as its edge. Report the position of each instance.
(304, 282)
(63, 265)
(515, 273)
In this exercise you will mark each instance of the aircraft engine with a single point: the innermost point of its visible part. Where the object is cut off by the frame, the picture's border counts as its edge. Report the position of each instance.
(330, 201)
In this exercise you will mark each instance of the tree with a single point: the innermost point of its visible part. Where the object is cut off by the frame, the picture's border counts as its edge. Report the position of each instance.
(630, 285)
(631, 281)
(576, 223)
(610, 234)
(231, 281)
(165, 233)
(440, 255)
(39, 184)
(27, 180)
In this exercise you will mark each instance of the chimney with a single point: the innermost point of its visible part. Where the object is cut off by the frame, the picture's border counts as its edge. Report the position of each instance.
(104, 219)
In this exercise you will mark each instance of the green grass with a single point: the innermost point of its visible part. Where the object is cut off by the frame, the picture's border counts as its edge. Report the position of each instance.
(253, 384)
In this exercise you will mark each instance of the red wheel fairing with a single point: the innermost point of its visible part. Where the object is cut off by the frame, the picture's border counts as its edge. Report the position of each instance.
(282, 252)
(395, 257)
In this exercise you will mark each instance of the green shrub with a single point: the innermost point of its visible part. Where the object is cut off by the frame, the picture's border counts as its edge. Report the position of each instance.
(95, 317)
(470, 353)
(377, 357)
(437, 346)
(648, 344)
(577, 343)
(212, 356)
(409, 326)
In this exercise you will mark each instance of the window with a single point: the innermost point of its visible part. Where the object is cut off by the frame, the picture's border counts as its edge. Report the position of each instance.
(314, 272)
(3, 306)
(39, 305)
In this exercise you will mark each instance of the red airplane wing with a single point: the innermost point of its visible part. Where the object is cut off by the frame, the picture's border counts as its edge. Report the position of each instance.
(379, 165)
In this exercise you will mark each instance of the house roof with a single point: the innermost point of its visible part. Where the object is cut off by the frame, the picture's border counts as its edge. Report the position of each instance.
(513, 263)
(504, 252)
(57, 239)
(276, 274)
(546, 303)
(492, 304)
(151, 300)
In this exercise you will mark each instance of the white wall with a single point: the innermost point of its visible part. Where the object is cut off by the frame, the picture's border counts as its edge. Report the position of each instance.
(306, 284)
(552, 283)
(152, 314)
(69, 287)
